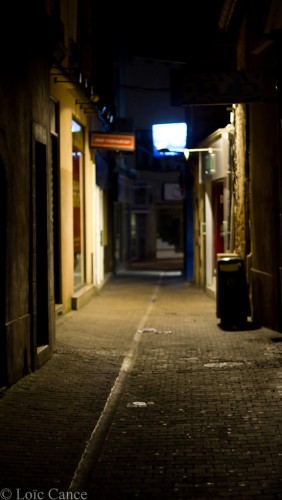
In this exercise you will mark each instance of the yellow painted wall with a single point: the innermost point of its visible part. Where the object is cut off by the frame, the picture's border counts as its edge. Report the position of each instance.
(66, 95)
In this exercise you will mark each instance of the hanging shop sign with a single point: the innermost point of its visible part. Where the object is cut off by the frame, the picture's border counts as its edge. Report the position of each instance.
(222, 87)
(119, 142)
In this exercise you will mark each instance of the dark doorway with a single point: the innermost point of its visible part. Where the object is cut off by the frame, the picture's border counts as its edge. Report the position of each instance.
(56, 219)
(41, 245)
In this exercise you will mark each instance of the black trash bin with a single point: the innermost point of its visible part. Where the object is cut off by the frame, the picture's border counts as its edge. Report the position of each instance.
(232, 296)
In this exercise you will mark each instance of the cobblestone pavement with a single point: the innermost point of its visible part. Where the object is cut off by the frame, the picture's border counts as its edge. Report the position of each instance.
(147, 397)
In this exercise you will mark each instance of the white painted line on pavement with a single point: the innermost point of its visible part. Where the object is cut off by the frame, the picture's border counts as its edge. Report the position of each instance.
(94, 446)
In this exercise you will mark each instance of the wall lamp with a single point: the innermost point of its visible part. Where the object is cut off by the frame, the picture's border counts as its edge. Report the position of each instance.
(187, 151)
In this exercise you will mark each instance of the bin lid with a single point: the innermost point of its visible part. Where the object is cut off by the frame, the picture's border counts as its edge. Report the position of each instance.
(229, 262)
(229, 268)
(222, 255)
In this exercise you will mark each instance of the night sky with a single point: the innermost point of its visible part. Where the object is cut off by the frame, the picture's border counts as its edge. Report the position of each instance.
(185, 32)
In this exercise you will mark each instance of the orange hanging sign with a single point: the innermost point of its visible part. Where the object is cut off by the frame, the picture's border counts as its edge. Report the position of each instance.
(119, 142)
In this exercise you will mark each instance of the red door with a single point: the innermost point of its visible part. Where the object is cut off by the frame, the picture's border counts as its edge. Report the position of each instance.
(217, 193)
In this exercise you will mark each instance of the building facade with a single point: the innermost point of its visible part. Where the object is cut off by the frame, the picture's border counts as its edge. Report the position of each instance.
(56, 248)
(241, 193)
(257, 156)
(213, 209)
(27, 329)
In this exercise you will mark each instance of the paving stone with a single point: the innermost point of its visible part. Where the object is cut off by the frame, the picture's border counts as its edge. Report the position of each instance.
(195, 411)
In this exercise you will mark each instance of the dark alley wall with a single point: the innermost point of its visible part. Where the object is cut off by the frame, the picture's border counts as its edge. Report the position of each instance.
(24, 120)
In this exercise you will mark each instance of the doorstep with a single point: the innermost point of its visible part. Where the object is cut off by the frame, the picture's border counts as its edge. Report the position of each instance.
(82, 296)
